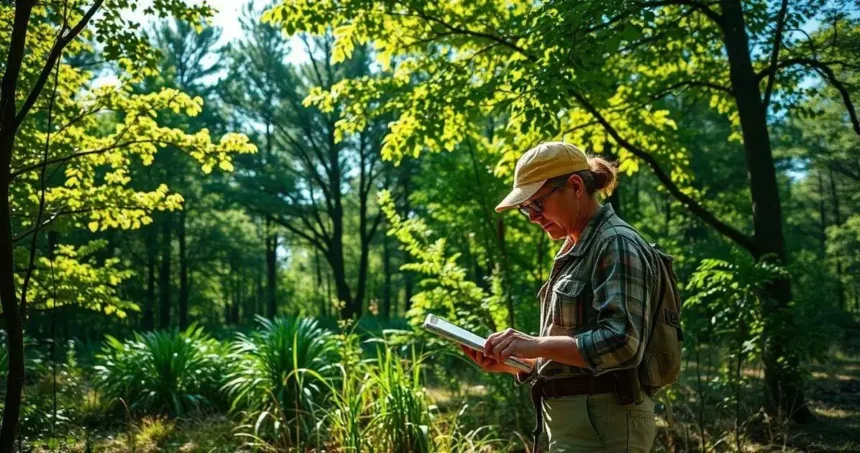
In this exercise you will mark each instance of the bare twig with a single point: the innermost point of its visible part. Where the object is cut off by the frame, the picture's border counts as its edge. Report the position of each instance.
(774, 57)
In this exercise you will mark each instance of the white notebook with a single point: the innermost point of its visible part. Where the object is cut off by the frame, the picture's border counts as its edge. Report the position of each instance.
(462, 336)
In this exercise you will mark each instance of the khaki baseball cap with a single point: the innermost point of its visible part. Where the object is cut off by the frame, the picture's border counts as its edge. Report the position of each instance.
(545, 161)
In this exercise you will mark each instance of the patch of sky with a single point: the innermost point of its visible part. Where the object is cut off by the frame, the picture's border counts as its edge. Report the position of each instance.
(227, 19)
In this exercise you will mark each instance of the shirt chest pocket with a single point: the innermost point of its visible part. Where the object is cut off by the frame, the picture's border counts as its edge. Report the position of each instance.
(568, 299)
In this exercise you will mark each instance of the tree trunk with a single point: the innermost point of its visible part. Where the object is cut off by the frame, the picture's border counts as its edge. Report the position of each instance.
(782, 372)
(385, 310)
(351, 307)
(348, 308)
(14, 319)
(363, 261)
(151, 244)
(164, 275)
(837, 220)
(408, 280)
(260, 304)
(227, 286)
(236, 294)
(328, 293)
(14, 322)
(183, 273)
(271, 269)
(822, 216)
(324, 303)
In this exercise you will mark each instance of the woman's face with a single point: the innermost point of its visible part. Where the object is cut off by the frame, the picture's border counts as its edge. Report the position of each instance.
(561, 209)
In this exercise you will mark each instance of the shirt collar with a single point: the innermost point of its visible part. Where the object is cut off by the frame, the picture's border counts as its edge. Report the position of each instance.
(601, 216)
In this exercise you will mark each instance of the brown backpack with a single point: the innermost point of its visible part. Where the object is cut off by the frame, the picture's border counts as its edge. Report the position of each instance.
(661, 363)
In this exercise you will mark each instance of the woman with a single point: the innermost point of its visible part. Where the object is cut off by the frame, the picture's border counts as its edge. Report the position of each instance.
(594, 308)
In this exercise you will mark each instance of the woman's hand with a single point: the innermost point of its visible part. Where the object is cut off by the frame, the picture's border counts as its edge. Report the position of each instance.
(488, 364)
(502, 345)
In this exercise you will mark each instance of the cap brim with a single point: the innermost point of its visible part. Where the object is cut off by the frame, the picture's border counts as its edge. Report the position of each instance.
(519, 195)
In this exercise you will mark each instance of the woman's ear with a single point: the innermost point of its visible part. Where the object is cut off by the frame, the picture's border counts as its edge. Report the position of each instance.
(576, 184)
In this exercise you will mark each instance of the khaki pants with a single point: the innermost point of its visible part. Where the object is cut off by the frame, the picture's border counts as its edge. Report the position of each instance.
(597, 423)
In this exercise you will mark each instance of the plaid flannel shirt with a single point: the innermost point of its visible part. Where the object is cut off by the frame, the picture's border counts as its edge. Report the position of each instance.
(600, 292)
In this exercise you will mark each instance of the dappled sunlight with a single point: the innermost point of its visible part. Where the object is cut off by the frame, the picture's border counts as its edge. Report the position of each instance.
(223, 224)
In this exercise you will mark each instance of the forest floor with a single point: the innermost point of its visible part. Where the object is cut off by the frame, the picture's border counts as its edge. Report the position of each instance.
(834, 397)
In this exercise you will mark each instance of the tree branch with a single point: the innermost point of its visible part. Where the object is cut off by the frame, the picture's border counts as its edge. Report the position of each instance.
(727, 230)
(476, 34)
(774, 57)
(58, 160)
(702, 7)
(56, 51)
(311, 240)
(827, 73)
(12, 69)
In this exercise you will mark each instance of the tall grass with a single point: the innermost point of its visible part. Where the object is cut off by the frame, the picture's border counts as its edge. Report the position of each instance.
(277, 372)
(404, 415)
(293, 386)
(162, 372)
(345, 416)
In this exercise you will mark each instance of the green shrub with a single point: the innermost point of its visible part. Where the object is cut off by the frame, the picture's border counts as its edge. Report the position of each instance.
(162, 372)
(276, 374)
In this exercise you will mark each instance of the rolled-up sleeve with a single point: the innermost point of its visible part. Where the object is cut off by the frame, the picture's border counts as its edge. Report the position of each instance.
(621, 291)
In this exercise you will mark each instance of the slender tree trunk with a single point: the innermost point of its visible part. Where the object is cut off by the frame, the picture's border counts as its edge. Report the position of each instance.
(260, 299)
(822, 216)
(271, 269)
(324, 304)
(408, 277)
(237, 295)
(341, 286)
(164, 275)
(837, 220)
(782, 372)
(151, 244)
(834, 198)
(328, 293)
(385, 310)
(183, 273)
(227, 286)
(363, 260)
(12, 316)
(351, 307)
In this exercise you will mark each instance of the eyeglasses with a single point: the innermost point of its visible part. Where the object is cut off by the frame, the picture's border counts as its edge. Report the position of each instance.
(536, 205)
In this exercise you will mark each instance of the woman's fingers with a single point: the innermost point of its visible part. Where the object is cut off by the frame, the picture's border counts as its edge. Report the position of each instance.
(501, 346)
(507, 352)
(495, 339)
(487, 363)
